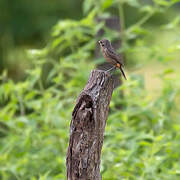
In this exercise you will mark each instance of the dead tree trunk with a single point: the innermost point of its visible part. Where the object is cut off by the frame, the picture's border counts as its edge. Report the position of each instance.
(87, 128)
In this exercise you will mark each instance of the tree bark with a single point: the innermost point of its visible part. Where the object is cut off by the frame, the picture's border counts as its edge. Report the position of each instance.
(87, 127)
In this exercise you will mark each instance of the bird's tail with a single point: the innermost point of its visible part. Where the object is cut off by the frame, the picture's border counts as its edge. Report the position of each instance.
(122, 72)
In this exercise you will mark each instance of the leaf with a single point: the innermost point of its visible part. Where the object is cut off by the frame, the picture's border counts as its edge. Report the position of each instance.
(173, 24)
(168, 71)
(133, 3)
(147, 8)
(106, 4)
(162, 2)
(87, 5)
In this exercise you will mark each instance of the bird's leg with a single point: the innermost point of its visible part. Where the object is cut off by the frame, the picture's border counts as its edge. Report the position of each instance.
(113, 68)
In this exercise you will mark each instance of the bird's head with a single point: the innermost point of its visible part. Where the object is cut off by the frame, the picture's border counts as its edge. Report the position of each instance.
(104, 43)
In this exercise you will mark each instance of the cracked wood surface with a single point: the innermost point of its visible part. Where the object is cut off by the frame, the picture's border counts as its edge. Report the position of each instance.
(87, 128)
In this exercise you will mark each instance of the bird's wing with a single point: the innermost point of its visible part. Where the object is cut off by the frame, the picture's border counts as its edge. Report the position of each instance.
(113, 55)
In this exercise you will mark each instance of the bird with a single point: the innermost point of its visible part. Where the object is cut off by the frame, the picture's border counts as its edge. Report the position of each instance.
(111, 56)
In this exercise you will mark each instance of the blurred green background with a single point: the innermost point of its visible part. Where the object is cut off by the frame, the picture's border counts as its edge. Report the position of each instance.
(47, 50)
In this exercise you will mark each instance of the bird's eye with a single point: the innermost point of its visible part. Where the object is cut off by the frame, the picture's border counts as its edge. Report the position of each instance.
(102, 44)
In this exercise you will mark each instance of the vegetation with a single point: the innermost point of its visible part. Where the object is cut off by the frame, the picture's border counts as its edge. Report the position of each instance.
(142, 137)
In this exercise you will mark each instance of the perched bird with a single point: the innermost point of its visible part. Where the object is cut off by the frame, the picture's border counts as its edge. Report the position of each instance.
(111, 56)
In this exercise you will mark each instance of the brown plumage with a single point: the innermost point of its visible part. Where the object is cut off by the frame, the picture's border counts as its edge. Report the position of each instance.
(111, 56)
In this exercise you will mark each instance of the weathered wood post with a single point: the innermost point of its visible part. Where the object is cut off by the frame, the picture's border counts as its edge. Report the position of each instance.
(87, 127)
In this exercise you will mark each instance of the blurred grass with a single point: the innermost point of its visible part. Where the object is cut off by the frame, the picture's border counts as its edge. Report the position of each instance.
(151, 72)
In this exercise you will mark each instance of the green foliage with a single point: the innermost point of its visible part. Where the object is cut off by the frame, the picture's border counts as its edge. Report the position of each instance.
(142, 139)
(142, 134)
(35, 114)
(25, 24)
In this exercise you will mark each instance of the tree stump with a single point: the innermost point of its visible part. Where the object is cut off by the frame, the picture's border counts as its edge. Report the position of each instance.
(87, 127)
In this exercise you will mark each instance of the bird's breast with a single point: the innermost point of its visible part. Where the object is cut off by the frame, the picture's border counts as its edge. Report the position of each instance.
(107, 57)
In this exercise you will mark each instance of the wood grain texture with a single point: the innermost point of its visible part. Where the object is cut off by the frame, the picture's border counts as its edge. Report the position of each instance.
(87, 127)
